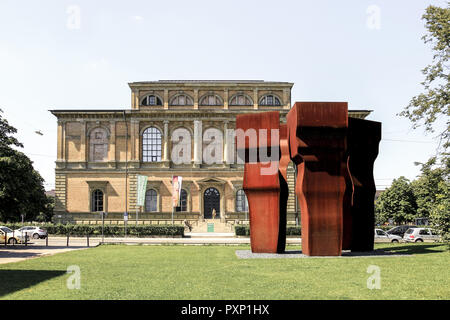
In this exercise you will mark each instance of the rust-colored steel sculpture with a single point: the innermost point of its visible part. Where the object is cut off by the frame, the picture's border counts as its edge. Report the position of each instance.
(317, 139)
(359, 219)
(266, 189)
(334, 156)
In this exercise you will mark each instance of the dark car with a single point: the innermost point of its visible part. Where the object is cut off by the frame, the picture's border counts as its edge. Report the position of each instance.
(400, 230)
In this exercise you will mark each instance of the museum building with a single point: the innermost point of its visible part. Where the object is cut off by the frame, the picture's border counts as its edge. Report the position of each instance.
(101, 152)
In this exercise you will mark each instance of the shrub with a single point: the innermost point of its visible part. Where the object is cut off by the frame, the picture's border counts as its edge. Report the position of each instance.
(245, 230)
(109, 230)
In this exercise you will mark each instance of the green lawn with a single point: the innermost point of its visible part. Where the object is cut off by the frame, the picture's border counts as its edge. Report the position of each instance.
(214, 272)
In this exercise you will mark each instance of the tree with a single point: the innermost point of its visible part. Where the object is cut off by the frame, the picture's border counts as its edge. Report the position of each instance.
(47, 215)
(21, 187)
(397, 203)
(428, 187)
(430, 105)
(434, 102)
(440, 213)
(433, 195)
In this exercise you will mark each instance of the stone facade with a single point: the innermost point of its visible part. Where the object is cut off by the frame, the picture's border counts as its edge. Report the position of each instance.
(104, 149)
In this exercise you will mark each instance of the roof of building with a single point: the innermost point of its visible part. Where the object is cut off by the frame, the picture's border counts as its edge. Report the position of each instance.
(211, 81)
(128, 110)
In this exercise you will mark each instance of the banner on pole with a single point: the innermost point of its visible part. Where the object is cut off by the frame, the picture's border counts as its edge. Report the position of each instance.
(176, 190)
(141, 189)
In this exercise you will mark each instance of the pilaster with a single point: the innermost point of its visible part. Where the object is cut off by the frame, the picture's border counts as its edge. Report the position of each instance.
(198, 141)
(112, 142)
(255, 98)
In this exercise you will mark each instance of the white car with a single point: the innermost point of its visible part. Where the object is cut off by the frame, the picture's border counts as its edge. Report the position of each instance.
(12, 237)
(381, 236)
(33, 232)
(420, 235)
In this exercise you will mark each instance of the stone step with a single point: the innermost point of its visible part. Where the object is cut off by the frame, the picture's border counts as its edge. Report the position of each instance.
(219, 227)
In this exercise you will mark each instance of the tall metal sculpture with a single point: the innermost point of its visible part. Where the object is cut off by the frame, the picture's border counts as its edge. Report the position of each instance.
(362, 140)
(264, 184)
(317, 139)
(334, 155)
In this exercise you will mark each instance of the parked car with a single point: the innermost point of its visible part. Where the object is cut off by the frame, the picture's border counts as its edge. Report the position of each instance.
(381, 236)
(420, 235)
(33, 232)
(12, 237)
(400, 230)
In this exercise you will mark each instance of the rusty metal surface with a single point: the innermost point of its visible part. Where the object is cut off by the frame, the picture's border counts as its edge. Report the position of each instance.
(284, 149)
(317, 139)
(266, 193)
(363, 140)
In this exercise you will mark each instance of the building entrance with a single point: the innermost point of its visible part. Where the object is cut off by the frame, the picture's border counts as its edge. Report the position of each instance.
(211, 200)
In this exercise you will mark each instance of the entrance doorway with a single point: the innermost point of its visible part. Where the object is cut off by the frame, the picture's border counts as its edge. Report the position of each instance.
(211, 200)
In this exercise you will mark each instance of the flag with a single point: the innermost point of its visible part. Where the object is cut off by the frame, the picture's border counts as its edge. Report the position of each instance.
(176, 190)
(141, 189)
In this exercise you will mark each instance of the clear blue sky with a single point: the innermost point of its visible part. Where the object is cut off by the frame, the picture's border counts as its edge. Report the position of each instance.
(368, 53)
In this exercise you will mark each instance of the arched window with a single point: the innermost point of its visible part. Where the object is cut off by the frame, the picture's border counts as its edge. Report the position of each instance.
(241, 201)
(151, 100)
(182, 100)
(98, 145)
(151, 201)
(269, 100)
(211, 100)
(183, 202)
(241, 100)
(151, 145)
(97, 200)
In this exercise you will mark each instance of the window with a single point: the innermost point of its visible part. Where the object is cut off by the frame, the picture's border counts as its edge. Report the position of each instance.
(97, 200)
(151, 145)
(183, 202)
(151, 100)
(151, 201)
(270, 100)
(241, 100)
(182, 100)
(211, 100)
(98, 145)
(241, 201)
(424, 232)
(381, 233)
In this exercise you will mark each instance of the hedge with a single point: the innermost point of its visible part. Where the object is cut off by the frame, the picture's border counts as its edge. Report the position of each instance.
(245, 231)
(109, 230)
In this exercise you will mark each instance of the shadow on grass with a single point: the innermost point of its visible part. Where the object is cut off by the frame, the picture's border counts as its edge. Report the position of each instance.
(416, 248)
(15, 280)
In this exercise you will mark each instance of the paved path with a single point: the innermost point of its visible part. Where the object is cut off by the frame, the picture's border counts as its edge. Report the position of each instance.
(20, 253)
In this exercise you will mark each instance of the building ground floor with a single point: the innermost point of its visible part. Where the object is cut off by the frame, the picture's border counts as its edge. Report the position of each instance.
(81, 196)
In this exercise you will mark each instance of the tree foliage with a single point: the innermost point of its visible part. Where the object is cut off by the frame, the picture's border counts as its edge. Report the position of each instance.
(428, 187)
(430, 198)
(424, 109)
(434, 102)
(398, 203)
(21, 187)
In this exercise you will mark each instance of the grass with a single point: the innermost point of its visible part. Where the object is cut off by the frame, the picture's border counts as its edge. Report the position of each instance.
(214, 272)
